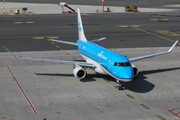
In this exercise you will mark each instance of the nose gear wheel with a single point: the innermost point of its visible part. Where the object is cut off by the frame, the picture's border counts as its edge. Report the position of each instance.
(120, 87)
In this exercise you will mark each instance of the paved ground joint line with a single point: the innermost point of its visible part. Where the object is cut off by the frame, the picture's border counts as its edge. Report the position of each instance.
(176, 114)
(144, 106)
(154, 34)
(18, 22)
(21, 89)
(26, 97)
(159, 116)
(74, 58)
(29, 22)
(57, 46)
(130, 96)
(61, 49)
(106, 80)
(116, 87)
(7, 118)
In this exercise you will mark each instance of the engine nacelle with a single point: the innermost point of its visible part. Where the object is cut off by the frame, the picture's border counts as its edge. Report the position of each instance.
(135, 69)
(79, 72)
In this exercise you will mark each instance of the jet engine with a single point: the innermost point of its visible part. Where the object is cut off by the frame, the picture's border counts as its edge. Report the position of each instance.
(79, 72)
(135, 69)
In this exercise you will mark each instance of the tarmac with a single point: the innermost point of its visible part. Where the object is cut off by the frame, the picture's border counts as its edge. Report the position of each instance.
(39, 8)
(38, 90)
(35, 90)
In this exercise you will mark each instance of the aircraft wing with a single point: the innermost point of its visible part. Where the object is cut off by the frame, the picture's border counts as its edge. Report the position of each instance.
(153, 55)
(57, 61)
(71, 43)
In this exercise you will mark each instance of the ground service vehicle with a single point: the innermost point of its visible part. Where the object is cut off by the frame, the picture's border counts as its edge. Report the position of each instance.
(134, 9)
(127, 8)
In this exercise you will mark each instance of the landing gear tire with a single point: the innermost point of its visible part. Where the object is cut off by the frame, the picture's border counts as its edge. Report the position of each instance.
(121, 87)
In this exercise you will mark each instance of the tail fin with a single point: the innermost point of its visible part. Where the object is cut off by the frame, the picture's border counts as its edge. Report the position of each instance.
(80, 27)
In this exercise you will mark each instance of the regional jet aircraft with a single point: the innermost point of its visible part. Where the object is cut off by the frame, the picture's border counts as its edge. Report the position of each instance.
(102, 60)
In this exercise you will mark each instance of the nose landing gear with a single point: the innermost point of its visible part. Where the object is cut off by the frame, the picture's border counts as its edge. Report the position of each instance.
(120, 87)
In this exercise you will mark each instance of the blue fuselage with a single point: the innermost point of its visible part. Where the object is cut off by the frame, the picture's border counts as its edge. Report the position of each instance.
(116, 65)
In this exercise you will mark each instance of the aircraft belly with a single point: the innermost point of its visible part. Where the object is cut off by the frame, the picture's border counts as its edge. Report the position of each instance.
(99, 69)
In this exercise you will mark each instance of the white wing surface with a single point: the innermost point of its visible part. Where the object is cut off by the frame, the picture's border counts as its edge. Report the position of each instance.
(70, 43)
(57, 61)
(153, 55)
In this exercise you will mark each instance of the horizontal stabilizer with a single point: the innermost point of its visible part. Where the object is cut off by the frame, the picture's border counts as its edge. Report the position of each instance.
(71, 43)
(97, 40)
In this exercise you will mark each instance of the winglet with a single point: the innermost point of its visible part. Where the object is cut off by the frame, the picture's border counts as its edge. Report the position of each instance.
(97, 40)
(173, 46)
(80, 27)
(10, 51)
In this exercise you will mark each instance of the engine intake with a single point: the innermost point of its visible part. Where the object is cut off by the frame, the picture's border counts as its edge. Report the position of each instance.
(79, 72)
(135, 69)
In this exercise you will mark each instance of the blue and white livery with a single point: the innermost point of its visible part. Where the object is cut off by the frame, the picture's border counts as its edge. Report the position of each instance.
(102, 60)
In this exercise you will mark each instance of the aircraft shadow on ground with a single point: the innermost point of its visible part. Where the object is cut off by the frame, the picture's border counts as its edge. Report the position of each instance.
(87, 79)
(79, 60)
(139, 84)
(55, 74)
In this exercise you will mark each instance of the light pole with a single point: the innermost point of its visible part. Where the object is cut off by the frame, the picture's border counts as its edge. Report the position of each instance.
(103, 6)
(4, 7)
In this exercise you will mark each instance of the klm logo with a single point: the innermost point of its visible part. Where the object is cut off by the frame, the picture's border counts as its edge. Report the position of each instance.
(80, 28)
(102, 56)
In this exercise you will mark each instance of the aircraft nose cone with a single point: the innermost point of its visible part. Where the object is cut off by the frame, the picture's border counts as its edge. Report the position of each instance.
(126, 76)
(126, 73)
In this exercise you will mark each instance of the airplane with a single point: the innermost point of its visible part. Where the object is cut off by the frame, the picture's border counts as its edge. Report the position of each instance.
(102, 60)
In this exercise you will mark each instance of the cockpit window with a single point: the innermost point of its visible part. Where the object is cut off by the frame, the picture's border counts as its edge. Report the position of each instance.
(122, 64)
(127, 64)
(115, 64)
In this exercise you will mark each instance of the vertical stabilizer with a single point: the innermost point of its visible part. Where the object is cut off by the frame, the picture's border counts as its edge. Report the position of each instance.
(80, 27)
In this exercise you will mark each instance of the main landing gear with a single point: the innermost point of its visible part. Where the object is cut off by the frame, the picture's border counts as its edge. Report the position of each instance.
(120, 87)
